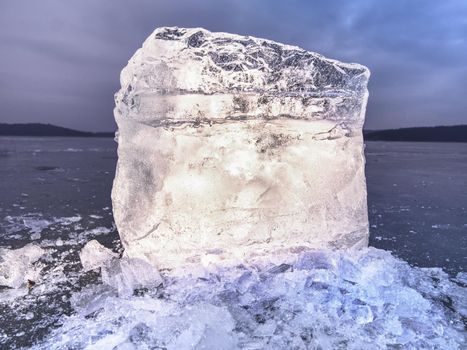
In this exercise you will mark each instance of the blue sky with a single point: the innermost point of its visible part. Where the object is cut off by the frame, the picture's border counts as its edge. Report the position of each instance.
(60, 60)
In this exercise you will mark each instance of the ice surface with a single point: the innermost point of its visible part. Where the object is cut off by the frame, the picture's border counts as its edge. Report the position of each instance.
(316, 300)
(232, 146)
(16, 265)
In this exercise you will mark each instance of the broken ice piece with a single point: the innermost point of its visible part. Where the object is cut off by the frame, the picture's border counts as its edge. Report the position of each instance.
(16, 265)
(125, 274)
(91, 299)
(128, 274)
(314, 259)
(95, 255)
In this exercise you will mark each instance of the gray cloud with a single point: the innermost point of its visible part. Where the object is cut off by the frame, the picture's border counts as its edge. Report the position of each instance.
(60, 61)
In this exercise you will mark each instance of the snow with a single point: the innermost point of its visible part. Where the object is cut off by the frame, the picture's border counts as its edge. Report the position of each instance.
(35, 223)
(99, 231)
(316, 299)
(237, 145)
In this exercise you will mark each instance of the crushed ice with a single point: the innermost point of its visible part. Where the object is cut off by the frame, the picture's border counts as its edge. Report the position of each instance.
(313, 300)
(316, 300)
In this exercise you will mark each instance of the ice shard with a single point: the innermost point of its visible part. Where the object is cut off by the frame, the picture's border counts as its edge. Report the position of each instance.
(95, 255)
(232, 146)
(16, 265)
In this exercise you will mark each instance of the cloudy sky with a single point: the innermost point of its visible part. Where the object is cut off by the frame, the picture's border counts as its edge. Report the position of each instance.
(60, 60)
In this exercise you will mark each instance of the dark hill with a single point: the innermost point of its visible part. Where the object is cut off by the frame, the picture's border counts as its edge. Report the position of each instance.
(46, 130)
(455, 133)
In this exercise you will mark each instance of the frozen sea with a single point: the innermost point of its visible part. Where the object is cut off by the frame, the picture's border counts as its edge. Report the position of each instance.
(55, 193)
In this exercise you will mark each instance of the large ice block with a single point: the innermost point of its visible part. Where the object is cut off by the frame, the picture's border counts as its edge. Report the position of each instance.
(231, 146)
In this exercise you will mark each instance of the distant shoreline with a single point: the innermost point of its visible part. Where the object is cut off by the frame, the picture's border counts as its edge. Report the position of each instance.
(455, 133)
(47, 130)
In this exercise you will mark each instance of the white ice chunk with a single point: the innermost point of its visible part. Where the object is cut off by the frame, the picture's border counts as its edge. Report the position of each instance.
(91, 299)
(16, 265)
(68, 220)
(125, 274)
(237, 145)
(128, 274)
(94, 255)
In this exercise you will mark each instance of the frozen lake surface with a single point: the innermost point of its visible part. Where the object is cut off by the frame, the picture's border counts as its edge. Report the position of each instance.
(55, 192)
(417, 201)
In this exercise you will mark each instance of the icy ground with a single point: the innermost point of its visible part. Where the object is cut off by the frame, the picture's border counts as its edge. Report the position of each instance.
(311, 300)
(305, 300)
(37, 280)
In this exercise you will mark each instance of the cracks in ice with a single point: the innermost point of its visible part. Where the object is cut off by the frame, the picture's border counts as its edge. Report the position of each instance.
(153, 229)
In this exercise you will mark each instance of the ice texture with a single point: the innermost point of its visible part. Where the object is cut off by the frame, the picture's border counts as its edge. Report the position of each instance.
(16, 265)
(315, 300)
(232, 146)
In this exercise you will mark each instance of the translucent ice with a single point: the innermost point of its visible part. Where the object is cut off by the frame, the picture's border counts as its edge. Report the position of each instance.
(234, 146)
(128, 274)
(124, 275)
(16, 265)
(94, 255)
(322, 300)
